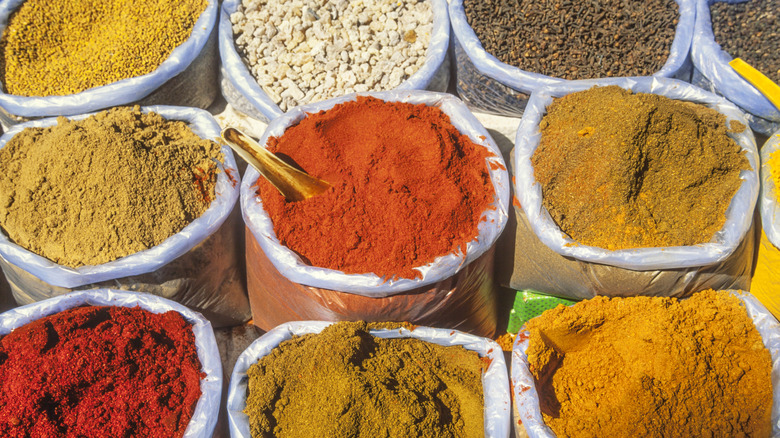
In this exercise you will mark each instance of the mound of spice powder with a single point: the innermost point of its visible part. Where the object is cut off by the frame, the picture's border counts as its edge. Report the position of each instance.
(99, 372)
(407, 187)
(621, 170)
(652, 367)
(343, 382)
(91, 191)
(64, 47)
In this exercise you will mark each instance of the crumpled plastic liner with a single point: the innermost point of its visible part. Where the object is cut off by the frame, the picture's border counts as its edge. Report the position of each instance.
(242, 91)
(204, 417)
(494, 379)
(204, 125)
(483, 83)
(739, 213)
(371, 285)
(768, 201)
(713, 73)
(526, 397)
(117, 93)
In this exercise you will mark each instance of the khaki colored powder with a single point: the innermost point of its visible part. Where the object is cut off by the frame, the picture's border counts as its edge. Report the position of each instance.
(92, 191)
(652, 367)
(61, 47)
(621, 170)
(343, 382)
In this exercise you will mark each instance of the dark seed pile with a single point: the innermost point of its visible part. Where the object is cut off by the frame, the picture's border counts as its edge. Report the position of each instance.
(576, 39)
(749, 31)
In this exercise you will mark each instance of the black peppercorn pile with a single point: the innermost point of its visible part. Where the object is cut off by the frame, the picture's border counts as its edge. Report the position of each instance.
(575, 39)
(749, 31)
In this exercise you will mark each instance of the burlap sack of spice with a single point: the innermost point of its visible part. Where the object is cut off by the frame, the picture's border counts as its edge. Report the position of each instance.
(206, 411)
(242, 91)
(494, 378)
(188, 77)
(495, 87)
(712, 72)
(200, 266)
(528, 414)
(455, 291)
(549, 261)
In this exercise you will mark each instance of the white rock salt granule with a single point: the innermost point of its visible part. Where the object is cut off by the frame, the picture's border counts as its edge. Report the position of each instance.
(304, 51)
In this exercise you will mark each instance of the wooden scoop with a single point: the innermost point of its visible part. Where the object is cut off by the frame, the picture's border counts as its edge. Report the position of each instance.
(761, 82)
(292, 183)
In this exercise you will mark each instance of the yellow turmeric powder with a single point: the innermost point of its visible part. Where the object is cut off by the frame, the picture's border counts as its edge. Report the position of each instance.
(652, 367)
(64, 47)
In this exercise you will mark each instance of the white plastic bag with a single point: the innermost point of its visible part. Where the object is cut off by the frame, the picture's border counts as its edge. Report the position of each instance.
(494, 379)
(226, 191)
(526, 398)
(204, 418)
(126, 90)
(738, 215)
(490, 85)
(371, 285)
(242, 91)
(768, 203)
(712, 72)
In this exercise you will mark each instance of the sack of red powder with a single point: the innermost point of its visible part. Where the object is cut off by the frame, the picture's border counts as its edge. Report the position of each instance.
(83, 410)
(361, 256)
(548, 260)
(199, 266)
(494, 375)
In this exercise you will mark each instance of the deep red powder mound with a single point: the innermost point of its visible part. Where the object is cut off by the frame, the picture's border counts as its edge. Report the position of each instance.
(99, 372)
(407, 187)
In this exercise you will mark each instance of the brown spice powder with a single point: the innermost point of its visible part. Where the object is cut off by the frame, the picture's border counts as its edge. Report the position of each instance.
(621, 170)
(91, 191)
(652, 367)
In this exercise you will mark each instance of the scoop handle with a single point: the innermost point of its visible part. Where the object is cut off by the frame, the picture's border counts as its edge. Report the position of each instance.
(761, 82)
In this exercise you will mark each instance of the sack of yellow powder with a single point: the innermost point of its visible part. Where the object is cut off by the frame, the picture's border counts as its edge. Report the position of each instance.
(708, 365)
(550, 261)
(131, 198)
(351, 343)
(71, 57)
(765, 284)
(454, 289)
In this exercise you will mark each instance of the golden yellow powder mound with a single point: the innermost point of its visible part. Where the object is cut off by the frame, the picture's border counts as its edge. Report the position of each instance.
(63, 47)
(652, 367)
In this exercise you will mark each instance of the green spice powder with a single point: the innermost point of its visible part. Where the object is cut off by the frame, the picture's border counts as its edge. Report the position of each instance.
(91, 191)
(64, 47)
(344, 382)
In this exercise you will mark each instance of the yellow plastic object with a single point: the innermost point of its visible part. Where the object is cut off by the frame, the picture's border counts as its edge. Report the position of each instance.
(766, 279)
(761, 82)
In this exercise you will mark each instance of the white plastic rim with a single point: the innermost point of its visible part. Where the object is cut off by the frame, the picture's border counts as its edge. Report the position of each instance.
(116, 93)
(226, 191)
(527, 82)
(204, 418)
(495, 381)
(526, 397)
(713, 63)
(371, 285)
(739, 214)
(240, 77)
(770, 219)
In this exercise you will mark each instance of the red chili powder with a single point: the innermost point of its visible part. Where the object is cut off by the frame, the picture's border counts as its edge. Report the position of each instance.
(407, 187)
(99, 372)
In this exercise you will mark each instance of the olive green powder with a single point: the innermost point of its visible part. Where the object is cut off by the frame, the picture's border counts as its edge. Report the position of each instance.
(621, 170)
(91, 191)
(61, 47)
(343, 382)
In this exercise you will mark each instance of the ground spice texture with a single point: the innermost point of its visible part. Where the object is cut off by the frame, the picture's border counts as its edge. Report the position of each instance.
(652, 367)
(621, 170)
(407, 187)
(99, 372)
(91, 191)
(343, 382)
